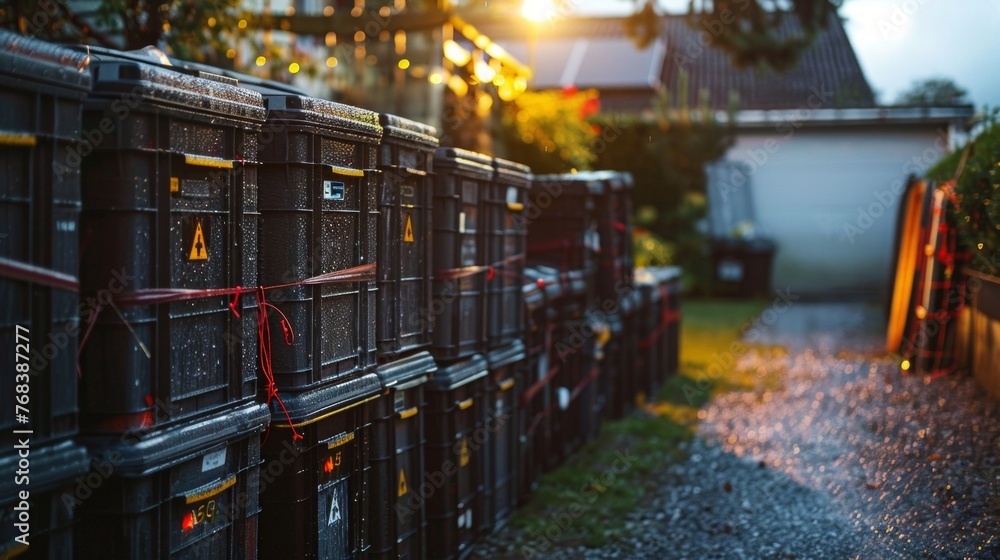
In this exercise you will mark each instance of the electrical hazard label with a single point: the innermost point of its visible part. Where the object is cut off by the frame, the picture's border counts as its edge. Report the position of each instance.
(402, 484)
(199, 245)
(408, 230)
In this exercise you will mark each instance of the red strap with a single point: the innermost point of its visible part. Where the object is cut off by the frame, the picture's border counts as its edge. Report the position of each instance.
(534, 389)
(667, 317)
(37, 275)
(490, 269)
(157, 296)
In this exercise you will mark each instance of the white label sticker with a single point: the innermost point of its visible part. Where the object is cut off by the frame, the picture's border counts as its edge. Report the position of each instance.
(333, 190)
(461, 222)
(564, 395)
(512, 195)
(465, 519)
(65, 225)
(731, 270)
(213, 460)
(543, 365)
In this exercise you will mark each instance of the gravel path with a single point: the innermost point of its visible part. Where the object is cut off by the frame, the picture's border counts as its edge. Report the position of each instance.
(847, 459)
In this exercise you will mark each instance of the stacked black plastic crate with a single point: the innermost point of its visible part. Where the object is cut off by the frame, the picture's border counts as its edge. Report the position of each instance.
(542, 292)
(564, 235)
(404, 321)
(317, 231)
(167, 386)
(456, 395)
(615, 284)
(506, 237)
(42, 88)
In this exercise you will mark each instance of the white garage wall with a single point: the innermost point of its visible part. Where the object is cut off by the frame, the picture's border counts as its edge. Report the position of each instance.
(829, 198)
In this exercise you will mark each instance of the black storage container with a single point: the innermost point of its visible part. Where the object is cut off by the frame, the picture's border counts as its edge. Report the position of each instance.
(742, 267)
(314, 494)
(455, 453)
(398, 517)
(186, 491)
(563, 221)
(648, 331)
(45, 519)
(506, 231)
(615, 384)
(669, 281)
(462, 179)
(578, 294)
(575, 401)
(318, 214)
(42, 88)
(614, 210)
(501, 410)
(404, 237)
(542, 292)
(166, 207)
(637, 386)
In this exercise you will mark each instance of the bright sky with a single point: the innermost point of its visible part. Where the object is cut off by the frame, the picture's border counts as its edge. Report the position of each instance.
(899, 41)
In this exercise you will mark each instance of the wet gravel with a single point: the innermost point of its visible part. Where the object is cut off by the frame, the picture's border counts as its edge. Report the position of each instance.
(847, 458)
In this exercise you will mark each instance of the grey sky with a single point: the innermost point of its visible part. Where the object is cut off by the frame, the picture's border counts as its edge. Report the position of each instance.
(899, 41)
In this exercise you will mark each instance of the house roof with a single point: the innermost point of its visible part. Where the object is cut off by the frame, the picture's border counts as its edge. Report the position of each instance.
(829, 66)
(596, 53)
(587, 53)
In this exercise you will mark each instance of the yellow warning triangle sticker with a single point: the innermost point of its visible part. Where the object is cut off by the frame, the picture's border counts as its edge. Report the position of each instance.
(463, 456)
(199, 251)
(402, 483)
(408, 233)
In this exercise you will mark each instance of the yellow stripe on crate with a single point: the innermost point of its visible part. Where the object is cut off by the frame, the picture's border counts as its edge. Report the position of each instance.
(342, 439)
(14, 139)
(199, 496)
(515, 206)
(506, 384)
(347, 171)
(465, 404)
(206, 161)
(325, 415)
(408, 413)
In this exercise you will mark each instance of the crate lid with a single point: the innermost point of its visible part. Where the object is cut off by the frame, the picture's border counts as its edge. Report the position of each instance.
(647, 283)
(576, 281)
(459, 374)
(413, 132)
(344, 118)
(31, 60)
(162, 448)
(148, 73)
(406, 369)
(52, 465)
(246, 80)
(547, 279)
(464, 160)
(512, 171)
(512, 353)
(310, 406)
(613, 180)
(664, 274)
(574, 184)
